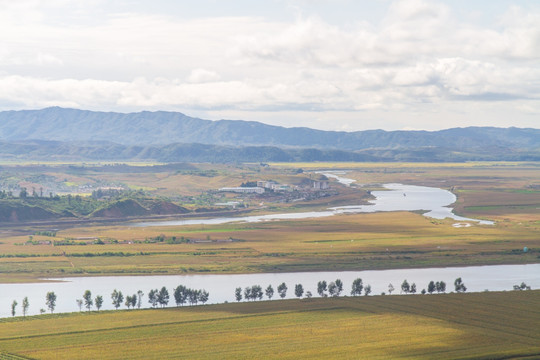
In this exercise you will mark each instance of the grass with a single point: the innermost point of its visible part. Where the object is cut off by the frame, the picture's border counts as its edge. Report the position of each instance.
(348, 242)
(479, 326)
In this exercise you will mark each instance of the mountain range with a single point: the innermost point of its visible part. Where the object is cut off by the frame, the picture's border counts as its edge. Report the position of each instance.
(173, 136)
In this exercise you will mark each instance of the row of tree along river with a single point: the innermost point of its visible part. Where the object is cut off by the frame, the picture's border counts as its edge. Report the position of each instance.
(183, 295)
(75, 294)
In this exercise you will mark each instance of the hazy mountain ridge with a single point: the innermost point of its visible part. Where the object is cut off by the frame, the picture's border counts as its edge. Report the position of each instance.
(43, 150)
(134, 130)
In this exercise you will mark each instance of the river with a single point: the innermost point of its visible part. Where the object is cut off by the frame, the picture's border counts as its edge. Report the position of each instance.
(221, 287)
(398, 197)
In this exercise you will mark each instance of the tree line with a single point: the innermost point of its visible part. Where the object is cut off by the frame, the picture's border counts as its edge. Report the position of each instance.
(335, 288)
(184, 295)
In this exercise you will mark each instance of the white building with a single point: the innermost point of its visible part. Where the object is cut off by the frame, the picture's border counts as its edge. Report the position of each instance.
(243, 190)
(266, 184)
(320, 185)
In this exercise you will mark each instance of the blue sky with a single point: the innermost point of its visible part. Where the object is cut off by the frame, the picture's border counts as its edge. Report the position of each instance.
(328, 64)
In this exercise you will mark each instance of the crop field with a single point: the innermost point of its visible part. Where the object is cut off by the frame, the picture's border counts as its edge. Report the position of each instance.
(347, 242)
(467, 326)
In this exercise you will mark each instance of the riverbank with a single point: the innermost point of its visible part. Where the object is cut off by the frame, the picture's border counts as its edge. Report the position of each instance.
(381, 240)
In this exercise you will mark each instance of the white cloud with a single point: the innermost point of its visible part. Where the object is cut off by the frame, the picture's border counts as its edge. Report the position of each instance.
(202, 76)
(420, 60)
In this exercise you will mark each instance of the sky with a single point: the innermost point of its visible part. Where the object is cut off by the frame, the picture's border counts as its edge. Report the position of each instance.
(343, 65)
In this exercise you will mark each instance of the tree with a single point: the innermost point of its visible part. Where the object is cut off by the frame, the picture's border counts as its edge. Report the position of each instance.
(180, 295)
(282, 290)
(413, 288)
(522, 287)
(309, 294)
(203, 296)
(405, 287)
(131, 301)
(247, 293)
(269, 292)
(238, 294)
(431, 287)
(193, 296)
(163, 297)
(50, 300)
(459, 285)
(357, 287)
(332, 289)
(423, 292)
(80, 303)
(440, 286)
(140, 294)
(99, 302)
(88, 302)
(321, 288)
(390, 288)
(256, 292)
(367, 290)
(298, 290)
(128, 301)
(25, 305)
(117, 298)
(13, 306)
(152, 297)
(339, 285)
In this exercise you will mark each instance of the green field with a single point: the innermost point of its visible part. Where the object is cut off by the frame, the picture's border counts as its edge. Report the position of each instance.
(503, 325)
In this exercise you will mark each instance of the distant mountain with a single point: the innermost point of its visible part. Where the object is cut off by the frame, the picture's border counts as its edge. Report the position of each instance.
(162, 128)
(181, 153)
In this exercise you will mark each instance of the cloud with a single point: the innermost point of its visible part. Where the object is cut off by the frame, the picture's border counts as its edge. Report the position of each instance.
(202, 76)
(420, 59)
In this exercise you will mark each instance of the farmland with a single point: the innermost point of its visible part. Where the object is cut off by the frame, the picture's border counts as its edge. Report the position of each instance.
(480, 325)
(507, 193)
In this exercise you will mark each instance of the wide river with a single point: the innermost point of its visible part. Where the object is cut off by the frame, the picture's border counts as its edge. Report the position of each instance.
(221, 287)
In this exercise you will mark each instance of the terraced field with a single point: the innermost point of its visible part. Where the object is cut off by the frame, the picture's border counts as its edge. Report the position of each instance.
(470, 326)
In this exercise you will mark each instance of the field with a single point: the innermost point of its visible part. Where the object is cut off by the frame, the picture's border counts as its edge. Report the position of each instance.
(480, 326)
(508, 193)
(466, 326)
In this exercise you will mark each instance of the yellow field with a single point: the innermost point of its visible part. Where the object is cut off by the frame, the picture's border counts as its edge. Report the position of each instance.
(347, 242)
(481, 325)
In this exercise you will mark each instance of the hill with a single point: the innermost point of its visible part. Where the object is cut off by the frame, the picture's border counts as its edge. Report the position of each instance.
(17, 210)
(162, 128)
(42, 150)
